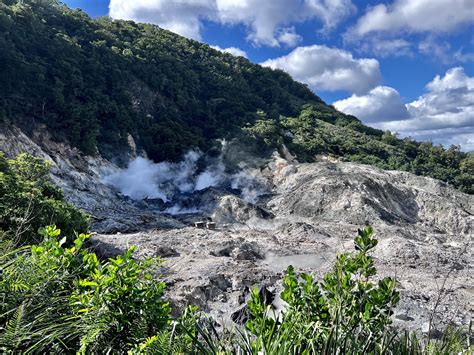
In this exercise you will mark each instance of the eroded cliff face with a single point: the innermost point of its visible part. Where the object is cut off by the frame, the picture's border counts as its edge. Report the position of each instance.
(81, 178)
(308, 214)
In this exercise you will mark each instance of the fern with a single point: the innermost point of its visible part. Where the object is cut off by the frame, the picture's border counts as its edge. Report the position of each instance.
(94, 329)
(16, 330)
(66, 299)
(162, 343)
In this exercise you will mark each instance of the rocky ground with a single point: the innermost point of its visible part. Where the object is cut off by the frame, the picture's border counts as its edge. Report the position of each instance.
(424, 229)
(309, 213)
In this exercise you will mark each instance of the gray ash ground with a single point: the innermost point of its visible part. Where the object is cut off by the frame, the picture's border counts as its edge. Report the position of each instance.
(424, 229)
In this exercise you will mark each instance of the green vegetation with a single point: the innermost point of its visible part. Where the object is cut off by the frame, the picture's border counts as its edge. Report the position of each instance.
(346, 312)
(346, 308)
(321, 131)
(29, 200)
(58, 299)
(58, 296)
(92, 82)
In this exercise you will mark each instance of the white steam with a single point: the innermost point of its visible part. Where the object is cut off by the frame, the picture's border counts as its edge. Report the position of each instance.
(177, 210)
(250, 183)
(144, 179)
(140, 180)
(213, 176)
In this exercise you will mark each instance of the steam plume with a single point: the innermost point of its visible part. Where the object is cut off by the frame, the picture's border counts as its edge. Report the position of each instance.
(143, 179)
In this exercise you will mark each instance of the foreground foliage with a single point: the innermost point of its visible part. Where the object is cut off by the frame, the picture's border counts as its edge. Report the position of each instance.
(59, 299)
(345, 313)
(345, 310)
(58, 296)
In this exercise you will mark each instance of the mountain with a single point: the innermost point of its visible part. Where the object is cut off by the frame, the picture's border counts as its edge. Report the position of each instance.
(94, 82)
(107, 86)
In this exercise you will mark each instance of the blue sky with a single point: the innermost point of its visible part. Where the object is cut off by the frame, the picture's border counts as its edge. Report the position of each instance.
(403, 65)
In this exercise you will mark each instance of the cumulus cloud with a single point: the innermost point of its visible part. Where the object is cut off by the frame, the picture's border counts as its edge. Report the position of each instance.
(380, 104)
(406, 26)
(444, 114)
(267, 22)
(289, 37)
(183, 17)
(416, 16)
(448, 103)
(331, 69)
(442, 51)
(232, 50)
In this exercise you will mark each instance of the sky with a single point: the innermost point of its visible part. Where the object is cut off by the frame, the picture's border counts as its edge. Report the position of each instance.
(401, 65)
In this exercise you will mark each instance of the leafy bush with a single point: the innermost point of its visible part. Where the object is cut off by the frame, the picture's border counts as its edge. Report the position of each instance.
(29, 200)
(345, 310)
(124, 294)
(60, 299)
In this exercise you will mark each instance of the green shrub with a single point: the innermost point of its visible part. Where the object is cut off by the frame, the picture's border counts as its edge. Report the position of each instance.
(59, 299)
(63, 299)
(29, 200)
(125, 296)
(345, 309)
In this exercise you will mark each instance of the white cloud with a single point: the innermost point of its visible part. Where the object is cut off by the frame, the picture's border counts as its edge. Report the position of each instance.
(232, 50)
(262, 18)
(331, 12)
(435, 47)
(448, 103)
(183, 17)
(444, 114)
(442, 51)
(386, 47)
(267, 22)
(416, 16)
(289, 37)
(447, 137)
(331, 69)
(405, 26)
(380, 104)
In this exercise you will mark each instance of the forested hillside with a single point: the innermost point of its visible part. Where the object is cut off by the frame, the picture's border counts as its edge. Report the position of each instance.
(93, 82)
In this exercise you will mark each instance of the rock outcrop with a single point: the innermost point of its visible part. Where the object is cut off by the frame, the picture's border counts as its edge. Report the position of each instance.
(81, 179)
